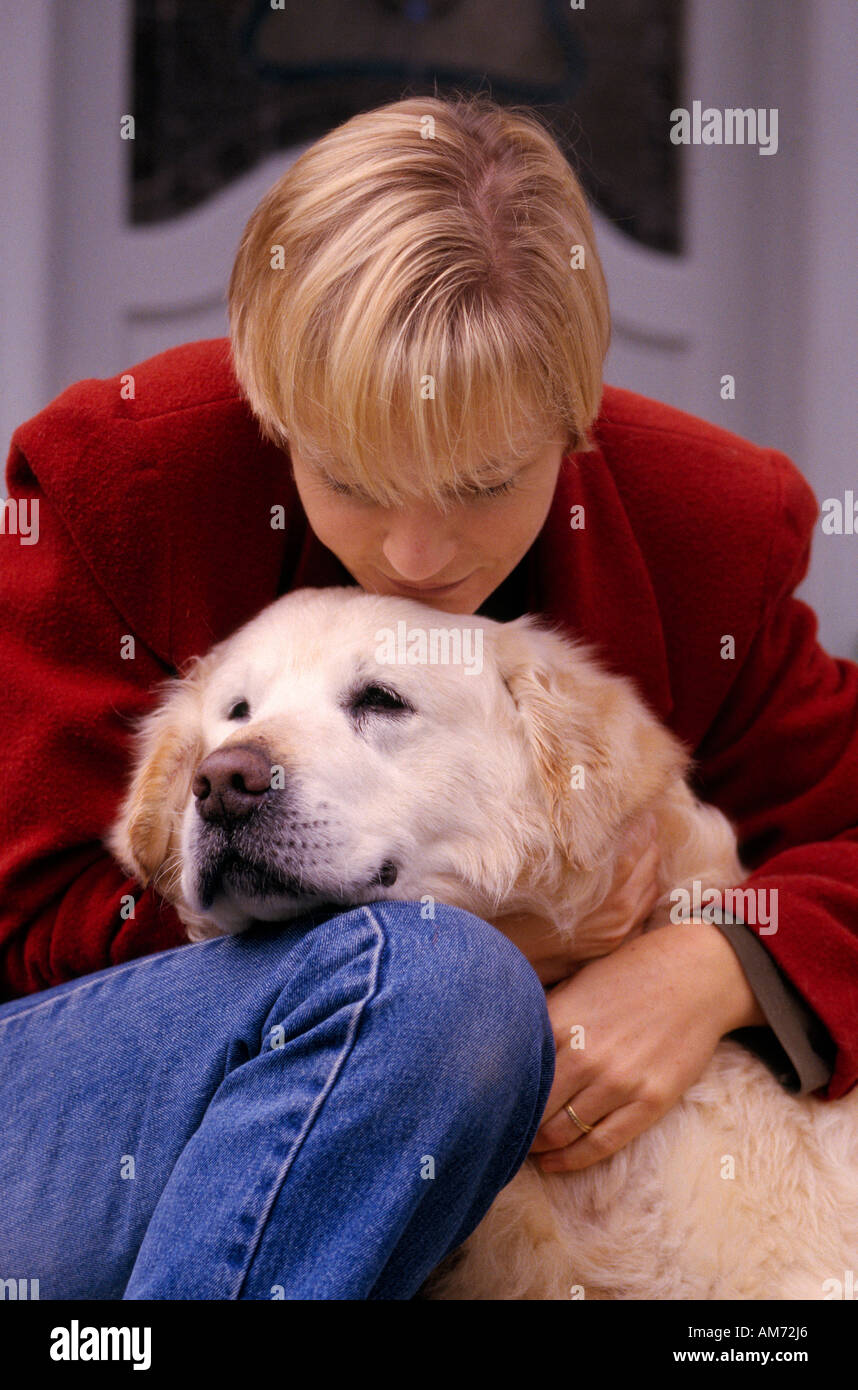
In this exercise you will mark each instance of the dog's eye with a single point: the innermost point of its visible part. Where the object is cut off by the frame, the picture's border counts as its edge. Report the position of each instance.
(239, 710)
(379, 699)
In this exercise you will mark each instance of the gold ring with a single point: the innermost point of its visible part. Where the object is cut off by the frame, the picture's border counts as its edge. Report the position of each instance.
(585, 1129)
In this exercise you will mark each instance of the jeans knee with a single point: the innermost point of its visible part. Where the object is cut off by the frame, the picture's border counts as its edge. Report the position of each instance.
(477, 992)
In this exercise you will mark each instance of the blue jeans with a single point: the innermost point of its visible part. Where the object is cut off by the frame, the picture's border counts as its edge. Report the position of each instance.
(321, 1109)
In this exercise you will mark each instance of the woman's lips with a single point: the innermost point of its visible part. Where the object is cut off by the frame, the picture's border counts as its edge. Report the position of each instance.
(426, 588)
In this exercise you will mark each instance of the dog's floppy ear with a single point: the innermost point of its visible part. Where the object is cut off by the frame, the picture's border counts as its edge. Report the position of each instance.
(601, 756)
(168, 749)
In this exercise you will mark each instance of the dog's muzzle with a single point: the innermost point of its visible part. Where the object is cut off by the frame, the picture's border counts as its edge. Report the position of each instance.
(240, 848)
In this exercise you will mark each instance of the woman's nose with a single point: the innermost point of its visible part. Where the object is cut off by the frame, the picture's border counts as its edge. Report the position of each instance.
(417, 548)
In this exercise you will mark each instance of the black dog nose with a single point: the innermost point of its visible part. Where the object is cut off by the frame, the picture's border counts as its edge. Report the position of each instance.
(231, 783)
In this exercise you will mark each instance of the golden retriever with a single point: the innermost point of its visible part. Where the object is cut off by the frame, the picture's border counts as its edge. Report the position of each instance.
(346, 747)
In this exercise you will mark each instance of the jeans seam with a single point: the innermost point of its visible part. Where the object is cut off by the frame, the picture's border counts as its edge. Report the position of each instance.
(313, 1114)
(124, 968)
(521, 1161)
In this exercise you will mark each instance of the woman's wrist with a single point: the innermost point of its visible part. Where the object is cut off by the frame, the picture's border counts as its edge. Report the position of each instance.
(734, 999)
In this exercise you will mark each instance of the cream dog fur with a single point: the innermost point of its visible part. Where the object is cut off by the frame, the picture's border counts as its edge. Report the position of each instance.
(498, 785)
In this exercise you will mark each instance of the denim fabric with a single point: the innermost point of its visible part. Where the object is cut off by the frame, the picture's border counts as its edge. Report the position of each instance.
(320, 1110)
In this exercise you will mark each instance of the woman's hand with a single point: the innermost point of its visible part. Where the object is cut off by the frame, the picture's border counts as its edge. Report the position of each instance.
(631, 898)
(633, 1031)
(633, 894)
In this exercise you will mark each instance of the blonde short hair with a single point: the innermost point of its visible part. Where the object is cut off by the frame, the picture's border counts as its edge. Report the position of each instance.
(404, 307)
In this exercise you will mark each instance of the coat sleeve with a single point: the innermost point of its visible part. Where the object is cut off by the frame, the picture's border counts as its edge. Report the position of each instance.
(72, 698)
(781, 760)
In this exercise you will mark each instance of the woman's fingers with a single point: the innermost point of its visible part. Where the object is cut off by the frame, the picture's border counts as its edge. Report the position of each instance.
(640, 891)
(632, 896)
(639, 836)
(631, 903)
(607, 1137)
(592, 1104)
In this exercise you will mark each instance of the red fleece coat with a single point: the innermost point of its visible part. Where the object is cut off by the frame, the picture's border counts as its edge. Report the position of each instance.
(155, 522)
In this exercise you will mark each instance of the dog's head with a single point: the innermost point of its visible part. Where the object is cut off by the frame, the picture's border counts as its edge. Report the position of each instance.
(344, 747)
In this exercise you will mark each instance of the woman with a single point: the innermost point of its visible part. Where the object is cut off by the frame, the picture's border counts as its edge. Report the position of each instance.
(418, 322)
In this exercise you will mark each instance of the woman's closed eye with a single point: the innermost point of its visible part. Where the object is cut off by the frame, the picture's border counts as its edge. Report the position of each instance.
(463, 495)
(343, 490)
(497, 490)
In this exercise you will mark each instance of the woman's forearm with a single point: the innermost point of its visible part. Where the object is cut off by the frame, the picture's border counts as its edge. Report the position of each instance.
(732, 994)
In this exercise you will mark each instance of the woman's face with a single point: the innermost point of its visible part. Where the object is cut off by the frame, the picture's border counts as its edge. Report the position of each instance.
(449, 560)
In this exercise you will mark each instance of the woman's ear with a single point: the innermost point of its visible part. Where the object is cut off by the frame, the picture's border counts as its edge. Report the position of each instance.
(168, 749)
(600, 755)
